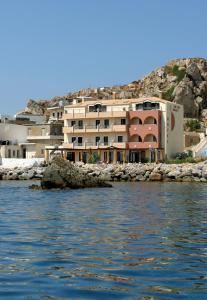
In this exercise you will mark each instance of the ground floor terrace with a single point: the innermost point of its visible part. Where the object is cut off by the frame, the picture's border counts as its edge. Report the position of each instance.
(108, 155)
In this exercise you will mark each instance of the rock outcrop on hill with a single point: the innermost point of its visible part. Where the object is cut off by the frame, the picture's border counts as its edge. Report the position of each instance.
(183, 81)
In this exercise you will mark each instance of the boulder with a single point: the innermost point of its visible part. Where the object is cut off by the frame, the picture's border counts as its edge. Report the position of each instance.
(155, 176)
(193, 72)
(63, 174)
(173, 174)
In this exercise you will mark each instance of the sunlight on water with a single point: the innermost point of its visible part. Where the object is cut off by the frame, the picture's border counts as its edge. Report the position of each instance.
(135, 241)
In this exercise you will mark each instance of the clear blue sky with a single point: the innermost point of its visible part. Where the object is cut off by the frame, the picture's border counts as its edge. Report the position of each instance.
(51, 47)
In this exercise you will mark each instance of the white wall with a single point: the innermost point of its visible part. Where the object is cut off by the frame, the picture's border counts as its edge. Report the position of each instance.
(175, 140)
(13, 133)
(12, 162)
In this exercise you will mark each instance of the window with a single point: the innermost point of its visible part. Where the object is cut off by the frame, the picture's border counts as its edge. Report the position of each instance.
(91, 109)
(147, 105)
(120, 138)
(17, 153)
(42, 151)
(53, 114)
(80, 124)
(72, 123)
(97, 123)
(73, 139)
(80, 140)
(58, 115)
(139, 106)
(155, 105)
(123, 121)
(42, 131)
(14, 153)
(106, 123)
(97, 140)
(106, 140)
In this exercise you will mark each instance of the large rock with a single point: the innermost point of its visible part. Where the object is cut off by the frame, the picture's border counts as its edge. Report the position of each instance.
(183, 94)
(63, 174)
(194, 72)
(155, 176)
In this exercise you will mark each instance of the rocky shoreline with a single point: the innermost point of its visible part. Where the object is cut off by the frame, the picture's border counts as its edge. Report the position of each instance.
(22, 173)
(122, 172)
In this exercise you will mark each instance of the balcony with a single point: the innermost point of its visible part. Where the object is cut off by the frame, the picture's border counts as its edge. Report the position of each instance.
(142, 145)
(94, 129)
(93, 146)
(95, 115)
(144, 129)
(44, 137)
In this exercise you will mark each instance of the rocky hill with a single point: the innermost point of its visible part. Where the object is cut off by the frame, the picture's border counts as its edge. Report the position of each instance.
(183, 81)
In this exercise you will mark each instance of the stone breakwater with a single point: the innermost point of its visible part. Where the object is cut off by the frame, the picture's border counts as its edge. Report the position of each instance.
(122, 172)
(149, 172)
(22, 173)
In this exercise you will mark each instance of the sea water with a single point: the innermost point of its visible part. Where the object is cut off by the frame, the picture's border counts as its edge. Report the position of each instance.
(132, 241)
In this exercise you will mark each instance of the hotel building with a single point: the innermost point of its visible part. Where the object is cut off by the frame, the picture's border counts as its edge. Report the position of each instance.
(128, 130)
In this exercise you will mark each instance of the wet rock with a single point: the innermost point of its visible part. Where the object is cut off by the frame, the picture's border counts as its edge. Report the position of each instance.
(173, 174)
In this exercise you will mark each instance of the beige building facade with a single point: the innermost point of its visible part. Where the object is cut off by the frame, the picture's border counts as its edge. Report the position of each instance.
(129, 130)
(43, 135)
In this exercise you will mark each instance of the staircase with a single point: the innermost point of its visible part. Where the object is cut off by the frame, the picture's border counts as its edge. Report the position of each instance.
(199, 148)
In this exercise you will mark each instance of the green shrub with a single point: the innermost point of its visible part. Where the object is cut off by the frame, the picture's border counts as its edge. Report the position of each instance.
(180, 74)
(193, 125)
(181, 161)
(168, 95)
(94, 158)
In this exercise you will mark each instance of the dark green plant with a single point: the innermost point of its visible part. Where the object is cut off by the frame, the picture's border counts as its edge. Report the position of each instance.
(180, 74)
(181, 161)
(94, 158)
(168, 95)
(193, 125)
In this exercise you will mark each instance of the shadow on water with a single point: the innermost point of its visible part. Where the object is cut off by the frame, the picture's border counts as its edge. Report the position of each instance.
(135, 241)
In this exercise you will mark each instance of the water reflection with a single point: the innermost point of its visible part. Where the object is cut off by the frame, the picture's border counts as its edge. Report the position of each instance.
(135, 241)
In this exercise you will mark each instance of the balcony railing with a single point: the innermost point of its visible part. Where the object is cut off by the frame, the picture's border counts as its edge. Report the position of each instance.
(94, 115)
(143, 129)
(45, 137)
(143, 145)
(94, 128)
(93, 145)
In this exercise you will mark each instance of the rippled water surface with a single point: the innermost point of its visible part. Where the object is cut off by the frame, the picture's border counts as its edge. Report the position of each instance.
(133, 241)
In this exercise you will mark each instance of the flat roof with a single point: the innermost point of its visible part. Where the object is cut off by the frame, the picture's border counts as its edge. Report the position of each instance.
(120, 101)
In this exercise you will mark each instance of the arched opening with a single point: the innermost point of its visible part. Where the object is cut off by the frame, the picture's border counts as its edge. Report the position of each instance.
(150, 138)
(150, 120)
(135, 138)
(136, 121)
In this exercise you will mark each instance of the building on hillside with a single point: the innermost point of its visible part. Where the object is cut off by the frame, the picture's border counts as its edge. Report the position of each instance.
(23, 117)
(42, 135)
(129, 130)
(55, 111)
